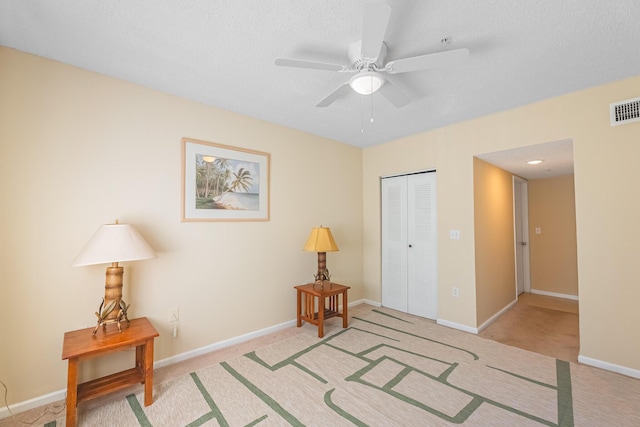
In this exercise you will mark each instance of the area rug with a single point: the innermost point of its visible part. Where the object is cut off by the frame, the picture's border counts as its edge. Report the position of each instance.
(386, 369)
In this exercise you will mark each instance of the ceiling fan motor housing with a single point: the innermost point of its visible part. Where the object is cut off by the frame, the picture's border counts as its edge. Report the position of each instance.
(359, 62)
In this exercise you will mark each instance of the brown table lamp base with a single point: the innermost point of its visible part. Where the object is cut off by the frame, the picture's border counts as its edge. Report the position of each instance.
(115, 310)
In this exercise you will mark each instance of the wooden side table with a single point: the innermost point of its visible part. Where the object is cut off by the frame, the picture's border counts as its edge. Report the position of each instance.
(310, 292)
(81, 344)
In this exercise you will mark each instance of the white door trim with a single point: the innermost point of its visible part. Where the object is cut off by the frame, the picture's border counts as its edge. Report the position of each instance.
(521, 220)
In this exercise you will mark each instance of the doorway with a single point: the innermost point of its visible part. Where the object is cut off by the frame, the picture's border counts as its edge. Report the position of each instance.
(537, 195)
(541, 198)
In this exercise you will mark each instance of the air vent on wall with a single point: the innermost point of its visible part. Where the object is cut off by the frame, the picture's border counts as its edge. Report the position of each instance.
(625, 111)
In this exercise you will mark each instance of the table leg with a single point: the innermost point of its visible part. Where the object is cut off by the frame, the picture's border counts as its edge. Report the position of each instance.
(140, 359)
(299, 307)
(72, 392)
(148, 373)
(320, 316)
(345, 305)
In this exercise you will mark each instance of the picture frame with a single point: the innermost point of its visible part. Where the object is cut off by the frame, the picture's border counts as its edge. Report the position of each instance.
(223, 183)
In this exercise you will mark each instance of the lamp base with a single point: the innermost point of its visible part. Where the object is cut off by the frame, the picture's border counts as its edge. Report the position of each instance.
(322, 275)
(115, 310)
(105, 317)
(323, 272)
(104, 323)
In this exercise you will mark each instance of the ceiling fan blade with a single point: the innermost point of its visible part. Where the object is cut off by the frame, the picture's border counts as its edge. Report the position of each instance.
(374, 27)
(424, 62)
(283, 62)
(393, 94)
(340, 91)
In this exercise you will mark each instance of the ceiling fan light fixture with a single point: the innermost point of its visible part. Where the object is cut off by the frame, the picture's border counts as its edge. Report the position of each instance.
(366, 82)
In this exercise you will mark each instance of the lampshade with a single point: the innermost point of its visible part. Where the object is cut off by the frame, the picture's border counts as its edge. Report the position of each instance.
(321, 240)
(366, 82)
(115, 243)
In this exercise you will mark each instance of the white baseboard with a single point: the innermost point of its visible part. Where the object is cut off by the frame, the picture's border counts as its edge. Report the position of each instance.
(634, 373)
(33, 403)
(61, 394)
(495, 316)
(222, 344)
(366, 301)
(555, 294)
(457, 326)
(229, 342)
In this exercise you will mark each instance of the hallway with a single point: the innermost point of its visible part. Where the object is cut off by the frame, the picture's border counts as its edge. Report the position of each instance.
(543, 324)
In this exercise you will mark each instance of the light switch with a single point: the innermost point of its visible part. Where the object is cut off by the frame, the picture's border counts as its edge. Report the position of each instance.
(538, 230)
(454, 234)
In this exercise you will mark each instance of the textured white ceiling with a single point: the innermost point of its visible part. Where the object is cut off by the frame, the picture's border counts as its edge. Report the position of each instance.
(556, 156)
(221, 53)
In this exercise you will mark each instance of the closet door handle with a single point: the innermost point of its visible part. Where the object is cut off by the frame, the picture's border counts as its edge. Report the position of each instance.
(410, 246)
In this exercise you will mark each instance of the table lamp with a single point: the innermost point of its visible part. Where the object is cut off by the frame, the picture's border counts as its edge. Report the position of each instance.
(320, 240)
(111, 244)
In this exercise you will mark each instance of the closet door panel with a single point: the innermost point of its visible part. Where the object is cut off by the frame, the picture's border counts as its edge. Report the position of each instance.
(394, 243)
(422, 296)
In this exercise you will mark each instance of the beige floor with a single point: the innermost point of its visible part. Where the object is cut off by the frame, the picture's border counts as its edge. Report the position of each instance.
(537, 323)
(542, 324)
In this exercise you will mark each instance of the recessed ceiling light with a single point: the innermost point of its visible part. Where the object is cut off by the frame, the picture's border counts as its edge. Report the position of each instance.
(535, 162)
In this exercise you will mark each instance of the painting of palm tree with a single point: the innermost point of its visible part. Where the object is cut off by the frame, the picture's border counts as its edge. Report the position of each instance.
(224, 183)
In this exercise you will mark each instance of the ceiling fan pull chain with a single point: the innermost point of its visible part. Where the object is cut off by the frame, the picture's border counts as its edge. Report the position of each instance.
(371, 107)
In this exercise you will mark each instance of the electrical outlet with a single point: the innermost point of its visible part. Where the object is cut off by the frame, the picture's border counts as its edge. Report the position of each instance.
(455, 292)
(174, 314)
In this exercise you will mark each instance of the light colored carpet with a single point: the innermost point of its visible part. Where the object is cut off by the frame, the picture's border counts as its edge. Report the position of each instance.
(541, 330)
(385, 369)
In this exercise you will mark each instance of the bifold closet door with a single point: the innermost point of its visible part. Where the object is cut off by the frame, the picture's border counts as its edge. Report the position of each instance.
(394, 243)
(409, 244)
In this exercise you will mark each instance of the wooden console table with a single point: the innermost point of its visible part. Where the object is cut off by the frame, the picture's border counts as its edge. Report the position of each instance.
(310, 292)
(81, 344)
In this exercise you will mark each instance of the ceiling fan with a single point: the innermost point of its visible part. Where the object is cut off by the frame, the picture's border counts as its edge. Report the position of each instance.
(367, 61)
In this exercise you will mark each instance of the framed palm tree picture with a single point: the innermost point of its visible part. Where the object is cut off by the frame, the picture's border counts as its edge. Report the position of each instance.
(223, 183)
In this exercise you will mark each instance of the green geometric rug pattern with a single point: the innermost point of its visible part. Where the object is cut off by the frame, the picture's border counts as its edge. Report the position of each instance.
(385, 369)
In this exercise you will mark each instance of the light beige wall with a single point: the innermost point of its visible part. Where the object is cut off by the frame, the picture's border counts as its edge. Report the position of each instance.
(494, 229)
(426, 151)
(553, 255)
(78, 149)
(606, 211)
